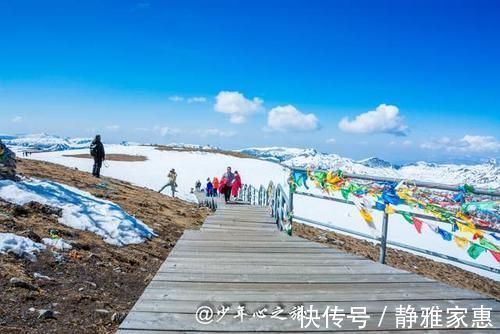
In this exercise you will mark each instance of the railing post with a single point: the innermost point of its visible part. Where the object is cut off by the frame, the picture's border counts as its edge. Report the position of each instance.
(290, 205)
(383, 239)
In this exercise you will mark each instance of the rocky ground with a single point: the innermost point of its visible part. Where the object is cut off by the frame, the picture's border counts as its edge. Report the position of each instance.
(403, 260)
(92, 287)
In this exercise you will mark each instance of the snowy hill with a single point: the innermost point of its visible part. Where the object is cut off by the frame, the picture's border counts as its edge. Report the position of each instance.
(375, 163)
(486, 174)
(482, 175)
(44, 142)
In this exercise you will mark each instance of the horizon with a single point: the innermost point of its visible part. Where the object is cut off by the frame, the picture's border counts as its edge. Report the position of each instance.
(394, 163)
(399, 81)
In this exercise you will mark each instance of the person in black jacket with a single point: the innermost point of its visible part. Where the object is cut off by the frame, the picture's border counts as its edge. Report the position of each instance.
(97, 151)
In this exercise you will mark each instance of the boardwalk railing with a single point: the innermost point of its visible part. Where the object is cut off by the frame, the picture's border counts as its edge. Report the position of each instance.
(281, 207)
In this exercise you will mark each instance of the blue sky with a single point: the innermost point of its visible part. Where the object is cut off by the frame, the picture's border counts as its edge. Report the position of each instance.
(401, 80)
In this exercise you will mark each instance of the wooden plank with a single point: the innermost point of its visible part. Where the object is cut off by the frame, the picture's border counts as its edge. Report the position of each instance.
(187, 322)
(249, 243)
(190, 306)
(238, 269)
(239, 257)
(431, 331)
(261, 250)
(288, 278)
(267, 261)
(257, 254)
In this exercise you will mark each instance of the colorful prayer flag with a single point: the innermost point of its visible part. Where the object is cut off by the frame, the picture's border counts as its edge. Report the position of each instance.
(475, 250)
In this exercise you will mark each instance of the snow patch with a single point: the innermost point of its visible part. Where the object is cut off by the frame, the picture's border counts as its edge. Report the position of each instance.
(58, 243)
(80, 210)
(21, 246)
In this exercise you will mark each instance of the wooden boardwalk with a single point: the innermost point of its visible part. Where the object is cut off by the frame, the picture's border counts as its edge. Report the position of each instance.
(238, 258)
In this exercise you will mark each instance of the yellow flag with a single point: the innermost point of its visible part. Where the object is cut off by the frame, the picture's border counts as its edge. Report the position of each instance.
(470, 229)
(389, 209)
(366, 215)
(461, 242)
(462, 216)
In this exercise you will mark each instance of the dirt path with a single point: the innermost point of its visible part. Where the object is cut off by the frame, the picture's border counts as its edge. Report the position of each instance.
(95, 280)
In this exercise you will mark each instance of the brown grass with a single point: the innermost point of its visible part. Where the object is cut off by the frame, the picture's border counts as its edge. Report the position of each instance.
(403, 260)
(95, 275)
(182, 149)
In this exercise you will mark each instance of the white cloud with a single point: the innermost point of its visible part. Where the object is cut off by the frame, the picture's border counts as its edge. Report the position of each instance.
(237, 106)
(283, 118)
(468, 143)
(197, 99)
(384, 119)
(176, 98)
(406, 142)
(331, 141)
(215, 133)
(17, 119)
(113, 127)
(166, 131)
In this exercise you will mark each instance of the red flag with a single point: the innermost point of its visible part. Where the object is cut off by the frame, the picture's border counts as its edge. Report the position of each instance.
(418, 224)
(496, 255)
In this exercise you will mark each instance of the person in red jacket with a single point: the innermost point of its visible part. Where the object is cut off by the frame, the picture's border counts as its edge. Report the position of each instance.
(236, 184)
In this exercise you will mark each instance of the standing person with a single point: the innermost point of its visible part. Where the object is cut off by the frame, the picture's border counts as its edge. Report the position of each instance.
(236, 184)
(215, 183)
(210, 188)
(171, 182)
(198, 185)
(97, 152)
(228, 179)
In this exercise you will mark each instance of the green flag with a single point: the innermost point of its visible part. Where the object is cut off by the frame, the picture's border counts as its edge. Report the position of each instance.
(475, 250)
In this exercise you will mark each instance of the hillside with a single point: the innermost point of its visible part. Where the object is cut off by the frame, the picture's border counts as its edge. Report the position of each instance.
(89, 288)
(485, 175)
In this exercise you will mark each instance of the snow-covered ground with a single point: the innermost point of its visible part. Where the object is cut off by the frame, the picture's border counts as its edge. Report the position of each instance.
(80, 210)
(21, 246)
(192, 166)
(152, 173)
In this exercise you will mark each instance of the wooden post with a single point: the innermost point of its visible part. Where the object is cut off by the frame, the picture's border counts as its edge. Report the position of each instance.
(383, 240)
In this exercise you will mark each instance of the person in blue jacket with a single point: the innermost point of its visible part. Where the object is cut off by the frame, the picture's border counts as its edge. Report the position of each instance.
(209, 188)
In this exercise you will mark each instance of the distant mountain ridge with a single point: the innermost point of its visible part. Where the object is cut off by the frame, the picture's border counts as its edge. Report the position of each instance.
(43, 142)
(485, 174)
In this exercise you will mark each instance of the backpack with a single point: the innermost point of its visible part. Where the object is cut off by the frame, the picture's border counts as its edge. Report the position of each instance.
(93, 149)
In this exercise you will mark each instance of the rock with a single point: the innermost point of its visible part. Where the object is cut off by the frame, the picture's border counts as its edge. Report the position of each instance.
(102, 311)
(32, 309)
(33, 236)
(91, 284)
(81, 289)
(118, 317)
(43, 208)
(19, 283)
(37, 275)
(46, 314)
(20, 211)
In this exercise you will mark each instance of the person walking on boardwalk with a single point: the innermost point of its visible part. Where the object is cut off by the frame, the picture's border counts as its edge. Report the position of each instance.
(215, 184)
(97, 152)
(171, 182)
(210, 188)
(235, 188)
(227, 181)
